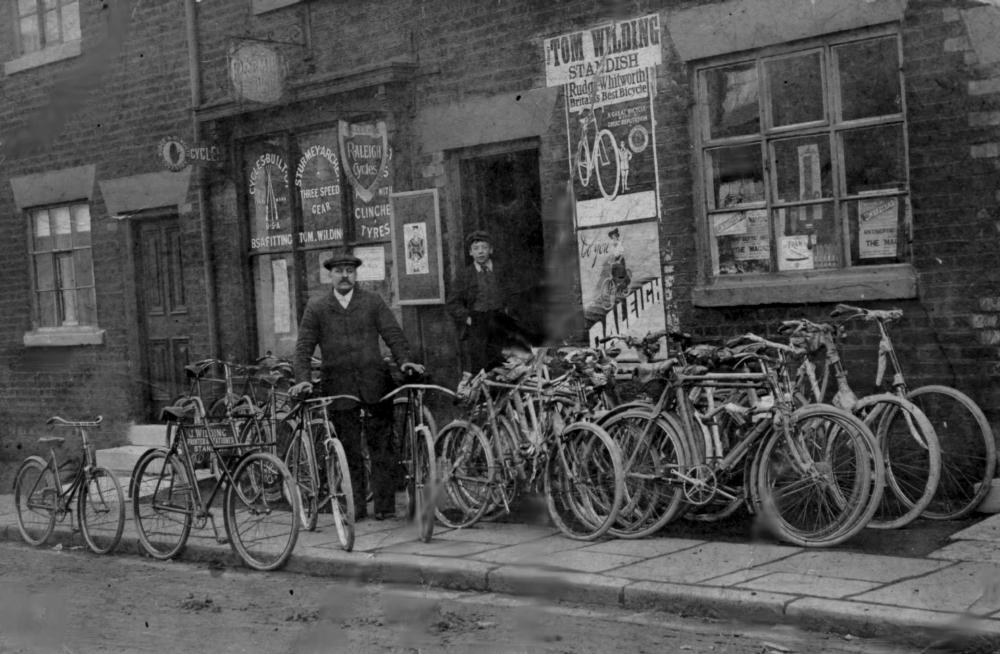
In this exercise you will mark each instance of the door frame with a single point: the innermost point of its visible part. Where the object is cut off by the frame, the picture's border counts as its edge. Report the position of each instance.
(138, 369)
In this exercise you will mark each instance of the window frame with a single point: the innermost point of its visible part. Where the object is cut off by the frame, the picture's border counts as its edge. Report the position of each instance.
(80, 328)
(899, 278)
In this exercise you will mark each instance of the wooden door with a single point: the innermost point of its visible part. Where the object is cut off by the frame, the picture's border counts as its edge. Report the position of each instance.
(163, 310)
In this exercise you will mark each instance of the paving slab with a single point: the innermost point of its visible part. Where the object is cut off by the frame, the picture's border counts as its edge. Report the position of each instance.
(378, 539)
(531, 552)
(441, 547)
(843, 565)
(703, 562)
(499, 533)
(794, 583)
(988, 530)
(586, 561)
(969, 550)
(957, 588)
(645, 548)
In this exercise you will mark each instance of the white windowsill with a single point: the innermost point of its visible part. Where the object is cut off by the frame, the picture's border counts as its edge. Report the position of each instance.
(42, 57)
(264, 6)
(889, 282)
(64, 337)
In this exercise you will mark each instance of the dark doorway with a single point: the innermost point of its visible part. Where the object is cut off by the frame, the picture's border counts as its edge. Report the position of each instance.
(501, 193)
(164, 322)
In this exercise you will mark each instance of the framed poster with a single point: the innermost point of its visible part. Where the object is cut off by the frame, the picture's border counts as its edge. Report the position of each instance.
(416, 247)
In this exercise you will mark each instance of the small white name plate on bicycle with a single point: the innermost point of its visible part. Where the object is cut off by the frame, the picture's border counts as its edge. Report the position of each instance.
(619, 48)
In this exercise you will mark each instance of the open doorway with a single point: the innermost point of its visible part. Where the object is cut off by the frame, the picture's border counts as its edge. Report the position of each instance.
(501, 193)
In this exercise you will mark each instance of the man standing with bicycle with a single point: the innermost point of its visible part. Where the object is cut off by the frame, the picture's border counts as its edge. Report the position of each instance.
(347, 323)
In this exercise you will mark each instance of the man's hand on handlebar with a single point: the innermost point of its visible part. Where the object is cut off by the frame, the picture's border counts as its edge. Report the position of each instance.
(301, 389)
(410, 368)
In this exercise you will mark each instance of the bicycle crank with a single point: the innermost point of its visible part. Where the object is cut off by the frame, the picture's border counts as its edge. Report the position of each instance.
(699, 484)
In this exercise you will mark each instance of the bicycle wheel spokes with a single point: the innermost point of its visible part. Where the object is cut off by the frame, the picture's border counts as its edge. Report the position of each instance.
(968, 450)
(300, 459)
(341, 486)
(101, 508)
(467, 469)
(584, 481)
(162, 504)
(36, 495)
(262, 512)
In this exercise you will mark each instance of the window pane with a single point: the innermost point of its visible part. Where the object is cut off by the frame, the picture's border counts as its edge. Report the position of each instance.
(875, 226)
(62, 226)
(30, 39)
(732, 100)
(67, 283)
(45, 276)
(803, 169)
(26, 6)
(81, 225)
(50, 4)
(743, 241)
(71, 21)
(874, 159)
(84, 267)
(807, 237)
(88, 306)
(51, 22)
(42, 230)
(796, 87)
(869, 79)
(737, 176)
(47, 309)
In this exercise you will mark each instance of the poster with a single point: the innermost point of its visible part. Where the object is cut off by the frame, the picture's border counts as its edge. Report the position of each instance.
(317, 181)
(282, 301)
(366, 157)
(754, 244)
(270, 210)
(878, 223)
(795, 252)
(415, 235)
(607, 72)
(621, 279)
(372, 268)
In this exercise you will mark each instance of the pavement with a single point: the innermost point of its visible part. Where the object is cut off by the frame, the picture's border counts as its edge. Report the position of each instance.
(951, 594)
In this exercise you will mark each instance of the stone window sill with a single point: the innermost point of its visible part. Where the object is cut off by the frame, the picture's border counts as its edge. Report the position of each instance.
(264, 6)
(890, 282)
(42, 57)
(64, 337)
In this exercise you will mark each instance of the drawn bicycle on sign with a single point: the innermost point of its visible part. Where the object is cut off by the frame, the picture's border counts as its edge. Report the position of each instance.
(601, 158)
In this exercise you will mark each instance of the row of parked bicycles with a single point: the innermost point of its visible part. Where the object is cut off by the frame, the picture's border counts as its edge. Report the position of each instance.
(767, 426)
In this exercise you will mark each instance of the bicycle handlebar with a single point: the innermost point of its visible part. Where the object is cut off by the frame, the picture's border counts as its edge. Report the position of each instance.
(424, 387)
(848, 312)
(753, 338)
(56, 421)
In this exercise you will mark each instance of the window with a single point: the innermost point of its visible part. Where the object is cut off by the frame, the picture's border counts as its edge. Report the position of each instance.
(63, 269)
(45, 23)
(804, 162)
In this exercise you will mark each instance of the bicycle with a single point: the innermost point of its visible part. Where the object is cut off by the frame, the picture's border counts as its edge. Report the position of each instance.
(909, 444)
(167, 498)
(968, 445)
(602, 156)
(42, 493)
(323, 482)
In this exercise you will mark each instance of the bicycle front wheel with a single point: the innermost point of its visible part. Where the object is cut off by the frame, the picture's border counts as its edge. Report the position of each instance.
(262, 511)
(819, 483)
(162, 504)
(101, 511)
(609, 164)
(300, 459)
(338, 477)
(421, 479)
(968, 450)
(468, 470)
(584, 484)
(36, 496)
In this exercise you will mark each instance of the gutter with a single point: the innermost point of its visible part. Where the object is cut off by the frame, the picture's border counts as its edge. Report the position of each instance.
(207, 254)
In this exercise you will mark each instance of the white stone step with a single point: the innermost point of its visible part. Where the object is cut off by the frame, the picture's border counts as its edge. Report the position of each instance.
(120, 459)
(147, 435)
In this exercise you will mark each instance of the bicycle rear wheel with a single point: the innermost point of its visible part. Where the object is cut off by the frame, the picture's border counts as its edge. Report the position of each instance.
(300, 459)
(36, 495)
(341, 488)
(162, 504)
(101, 511)
(510, 468)
(584, 483)
(468, 469)
(968, 450)
(912, 458)
(819, 484)
(262, 511)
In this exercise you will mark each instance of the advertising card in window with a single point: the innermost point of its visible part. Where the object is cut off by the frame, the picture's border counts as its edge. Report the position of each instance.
(795, 253)
(878, 225)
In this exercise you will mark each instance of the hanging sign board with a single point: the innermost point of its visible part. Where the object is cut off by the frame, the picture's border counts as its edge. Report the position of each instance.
(416, 247)
(257, 72)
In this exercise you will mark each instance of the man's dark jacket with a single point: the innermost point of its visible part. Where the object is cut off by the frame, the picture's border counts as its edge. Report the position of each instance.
(348, 340)
(463, 294)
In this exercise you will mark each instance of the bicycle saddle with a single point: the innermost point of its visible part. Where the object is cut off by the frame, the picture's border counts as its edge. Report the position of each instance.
(647, 372)
(199, 368)
(176, 413)
(55, 440)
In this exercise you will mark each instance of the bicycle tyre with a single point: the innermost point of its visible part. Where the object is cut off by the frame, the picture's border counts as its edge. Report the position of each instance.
(967, 467)
(96, 541)
(571, 512)
(258, 472)
(583, 165)
(605, 134)
(26, 489)
(510, 468)
(865, 487)
(421, 483)
(167, 487)
(912, 458)
(469, 495)
(341, 488)
(300, 459)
